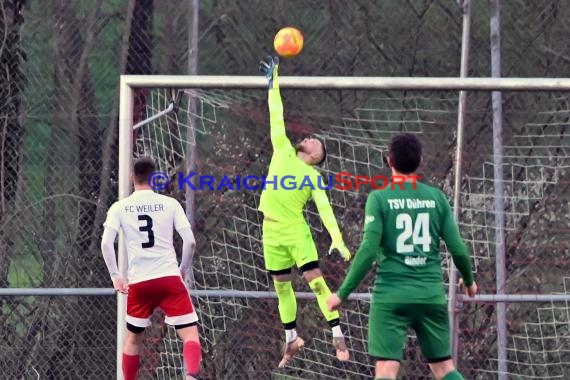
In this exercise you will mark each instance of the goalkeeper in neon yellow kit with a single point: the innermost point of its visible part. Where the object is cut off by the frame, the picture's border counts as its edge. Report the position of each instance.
(287, 239)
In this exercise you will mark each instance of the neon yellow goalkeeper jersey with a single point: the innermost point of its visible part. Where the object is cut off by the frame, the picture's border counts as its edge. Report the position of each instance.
(294, 182)
(286, 191)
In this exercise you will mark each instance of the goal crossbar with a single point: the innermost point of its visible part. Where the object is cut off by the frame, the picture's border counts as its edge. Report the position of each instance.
(349, 83)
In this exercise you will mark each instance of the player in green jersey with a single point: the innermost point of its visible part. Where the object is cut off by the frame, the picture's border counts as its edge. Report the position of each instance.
(287, 239)
(403, 227)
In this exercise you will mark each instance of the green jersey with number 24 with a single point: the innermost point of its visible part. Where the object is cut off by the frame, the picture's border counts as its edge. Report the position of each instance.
(406, 226)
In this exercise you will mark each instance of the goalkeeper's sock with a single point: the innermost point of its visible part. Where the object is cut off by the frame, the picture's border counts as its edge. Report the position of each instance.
(130, 366)
(336, 331)
(290, 335)
(322, 291)
(453, 375)
(287, 308)
(192, 352)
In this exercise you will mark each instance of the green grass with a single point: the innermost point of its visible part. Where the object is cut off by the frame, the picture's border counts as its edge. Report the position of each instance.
(26, 269)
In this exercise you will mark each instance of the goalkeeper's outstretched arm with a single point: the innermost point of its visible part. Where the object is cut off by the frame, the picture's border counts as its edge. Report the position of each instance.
(270, 67)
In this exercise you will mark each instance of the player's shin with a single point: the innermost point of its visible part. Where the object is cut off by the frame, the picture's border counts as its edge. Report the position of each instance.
(192, 352)
(130, 366)
(287, 308)
(322, 292)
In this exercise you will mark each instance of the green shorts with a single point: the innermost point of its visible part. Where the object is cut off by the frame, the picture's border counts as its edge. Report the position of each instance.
(285, 246)
(389, 323)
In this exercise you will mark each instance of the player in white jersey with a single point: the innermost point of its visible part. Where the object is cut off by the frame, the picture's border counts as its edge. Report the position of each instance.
(154, 277)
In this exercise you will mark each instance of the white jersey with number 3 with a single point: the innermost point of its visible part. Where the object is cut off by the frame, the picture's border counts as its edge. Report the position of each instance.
(148, 221)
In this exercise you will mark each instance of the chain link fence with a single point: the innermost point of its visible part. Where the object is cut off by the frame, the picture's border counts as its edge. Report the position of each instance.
(59, 65)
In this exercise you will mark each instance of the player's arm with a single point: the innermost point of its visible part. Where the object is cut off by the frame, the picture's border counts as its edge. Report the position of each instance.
(366, 254)
(279, 138)
(108, 249)
(455, 244)
(329, 220)
(184, 229)
(111, 228)
(188, 248)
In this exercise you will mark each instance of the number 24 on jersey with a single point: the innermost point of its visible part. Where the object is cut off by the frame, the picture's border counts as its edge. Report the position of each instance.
(414, 232)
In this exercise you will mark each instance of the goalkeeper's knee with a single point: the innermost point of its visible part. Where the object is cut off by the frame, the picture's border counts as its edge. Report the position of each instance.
(283, 287)
(319, 287)
(287, 302)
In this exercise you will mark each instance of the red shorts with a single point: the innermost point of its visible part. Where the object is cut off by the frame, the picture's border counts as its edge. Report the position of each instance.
(168, 293)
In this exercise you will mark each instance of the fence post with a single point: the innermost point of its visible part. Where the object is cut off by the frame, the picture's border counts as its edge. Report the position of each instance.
(465, 40)
(499, 189)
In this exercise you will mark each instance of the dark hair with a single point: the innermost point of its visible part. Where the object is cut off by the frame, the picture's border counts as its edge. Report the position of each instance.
(324, 150)
(142, 169)
(405, 152)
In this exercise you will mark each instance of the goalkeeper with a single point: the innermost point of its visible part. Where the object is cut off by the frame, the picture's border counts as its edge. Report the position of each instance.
(402, 232)
(287, 239)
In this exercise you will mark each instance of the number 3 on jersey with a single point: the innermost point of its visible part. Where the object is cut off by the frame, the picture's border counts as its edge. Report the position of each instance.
(418, 231)
(148, 229)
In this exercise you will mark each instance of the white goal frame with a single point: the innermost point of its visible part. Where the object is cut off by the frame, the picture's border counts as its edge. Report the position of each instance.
(129, 82)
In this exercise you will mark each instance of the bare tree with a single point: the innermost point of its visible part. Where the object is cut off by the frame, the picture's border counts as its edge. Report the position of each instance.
(11, 128)
(136, 58)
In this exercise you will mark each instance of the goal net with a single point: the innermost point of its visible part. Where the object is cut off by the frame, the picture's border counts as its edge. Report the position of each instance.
(225, 134)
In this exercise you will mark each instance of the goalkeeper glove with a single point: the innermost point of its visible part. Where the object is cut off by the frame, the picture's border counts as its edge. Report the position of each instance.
(268, 67)
(338, 244)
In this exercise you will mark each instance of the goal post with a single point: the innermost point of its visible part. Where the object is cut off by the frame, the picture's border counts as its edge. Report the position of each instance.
(128, 83)
(124, 188)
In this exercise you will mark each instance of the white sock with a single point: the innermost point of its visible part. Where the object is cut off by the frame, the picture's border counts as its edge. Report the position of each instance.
(290, 335)
(337, 333)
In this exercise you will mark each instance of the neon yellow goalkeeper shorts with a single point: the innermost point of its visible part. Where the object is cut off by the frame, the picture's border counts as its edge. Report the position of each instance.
(286, 245)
